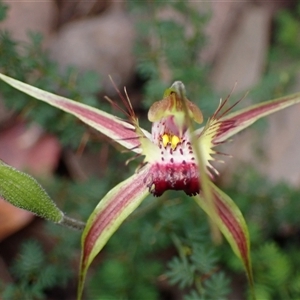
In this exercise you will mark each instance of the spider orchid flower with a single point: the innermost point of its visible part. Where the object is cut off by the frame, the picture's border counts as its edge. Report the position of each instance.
(176, 157)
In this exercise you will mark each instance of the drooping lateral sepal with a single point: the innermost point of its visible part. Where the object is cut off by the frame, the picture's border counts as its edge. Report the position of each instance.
(109, 214)
(231, 223)
(111, 126)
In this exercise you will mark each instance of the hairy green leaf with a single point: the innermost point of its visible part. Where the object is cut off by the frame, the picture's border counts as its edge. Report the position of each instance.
(25, 192)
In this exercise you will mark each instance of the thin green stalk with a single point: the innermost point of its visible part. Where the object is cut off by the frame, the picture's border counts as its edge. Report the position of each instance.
(72, 223)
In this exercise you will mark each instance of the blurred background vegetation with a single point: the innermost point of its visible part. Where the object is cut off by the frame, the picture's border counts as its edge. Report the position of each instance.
(164, 250)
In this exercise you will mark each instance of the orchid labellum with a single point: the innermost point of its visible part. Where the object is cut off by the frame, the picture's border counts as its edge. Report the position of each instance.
(176, 157)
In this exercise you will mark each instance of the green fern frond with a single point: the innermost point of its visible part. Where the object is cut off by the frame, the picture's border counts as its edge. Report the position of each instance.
(180, 272)
(194, 295)
(276, 264)
(217, 287)
(203, 258)
(30, 261)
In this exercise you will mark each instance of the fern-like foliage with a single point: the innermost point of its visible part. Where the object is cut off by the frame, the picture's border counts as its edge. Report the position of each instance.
(181, 272)
(272, 211)
(169, 47)
(196, 270)
(203, 258)
(28, 62)
(34, 274)
(217, 287)
(274, 273)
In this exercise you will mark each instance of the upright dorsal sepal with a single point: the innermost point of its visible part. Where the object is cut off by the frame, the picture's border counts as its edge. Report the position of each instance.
(171, 105)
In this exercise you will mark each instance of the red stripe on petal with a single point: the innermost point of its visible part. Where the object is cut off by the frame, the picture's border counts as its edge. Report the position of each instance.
(115, 129)
(234, 228)
(237, 121)
(256, 111)
(110, 213)
(115, 203)
(230, 221)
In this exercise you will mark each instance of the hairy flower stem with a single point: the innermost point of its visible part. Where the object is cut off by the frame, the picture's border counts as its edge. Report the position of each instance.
(72, 223)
